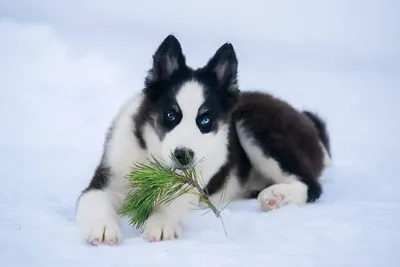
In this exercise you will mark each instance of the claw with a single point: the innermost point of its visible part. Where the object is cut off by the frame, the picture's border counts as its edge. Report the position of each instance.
(95, 242)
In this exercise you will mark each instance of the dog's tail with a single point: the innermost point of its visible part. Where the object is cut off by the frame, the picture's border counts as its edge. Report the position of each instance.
(323, 135)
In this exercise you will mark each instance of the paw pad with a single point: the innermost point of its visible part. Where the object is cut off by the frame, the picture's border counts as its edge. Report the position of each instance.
(272, 203)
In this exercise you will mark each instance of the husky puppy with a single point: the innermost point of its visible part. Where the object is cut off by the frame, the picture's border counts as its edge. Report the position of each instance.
(245, 136)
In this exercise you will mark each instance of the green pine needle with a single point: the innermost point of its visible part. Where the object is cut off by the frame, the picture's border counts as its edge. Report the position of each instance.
(156, 183)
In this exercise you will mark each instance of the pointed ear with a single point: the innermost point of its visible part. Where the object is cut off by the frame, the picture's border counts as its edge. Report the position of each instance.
(225, 66)
(167, 59)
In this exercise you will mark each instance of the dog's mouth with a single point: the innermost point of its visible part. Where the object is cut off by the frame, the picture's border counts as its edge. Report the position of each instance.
(182, 165)
(182, 168)
(179, 166)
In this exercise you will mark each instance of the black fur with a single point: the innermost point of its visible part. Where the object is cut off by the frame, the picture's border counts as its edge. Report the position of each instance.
(322, 131)
(284, 134)
(167, 59)
(218, 180)
(100, 178)
(140, 118)
(169, 72)
(237, 158)
(102, 173)
(254, 194)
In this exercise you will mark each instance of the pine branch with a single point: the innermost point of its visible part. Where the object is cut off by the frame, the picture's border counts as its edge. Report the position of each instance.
(155, 184)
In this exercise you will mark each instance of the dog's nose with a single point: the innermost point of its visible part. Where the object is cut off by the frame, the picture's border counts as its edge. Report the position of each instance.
(183, 155)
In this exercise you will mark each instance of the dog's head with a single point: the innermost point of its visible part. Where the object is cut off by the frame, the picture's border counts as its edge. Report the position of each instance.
(191, 108)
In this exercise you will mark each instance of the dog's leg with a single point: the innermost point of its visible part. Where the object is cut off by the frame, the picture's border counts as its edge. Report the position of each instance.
(97, 208)
(97, 216)
(297, 186)
(164, 222)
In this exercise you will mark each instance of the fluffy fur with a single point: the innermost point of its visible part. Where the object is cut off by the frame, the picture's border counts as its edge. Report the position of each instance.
(242, 136)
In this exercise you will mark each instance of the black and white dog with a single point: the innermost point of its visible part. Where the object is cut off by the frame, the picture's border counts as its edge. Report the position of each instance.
(245, 136)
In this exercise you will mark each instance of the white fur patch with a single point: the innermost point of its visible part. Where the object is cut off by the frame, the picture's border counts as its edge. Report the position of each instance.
(164, 223)
(267, 166)
(123, 148)
(230, 191)
(159, 228)
(152, 140)
(97, 209)
(97, 217)
(210, 149)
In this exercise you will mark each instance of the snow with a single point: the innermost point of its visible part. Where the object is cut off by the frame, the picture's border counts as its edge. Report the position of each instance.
(65, 68)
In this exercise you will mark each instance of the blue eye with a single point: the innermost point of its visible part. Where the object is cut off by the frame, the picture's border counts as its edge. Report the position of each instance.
(205, 120)
(170, 116)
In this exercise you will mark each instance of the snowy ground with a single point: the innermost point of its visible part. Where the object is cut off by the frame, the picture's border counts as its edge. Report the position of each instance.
(66, 68)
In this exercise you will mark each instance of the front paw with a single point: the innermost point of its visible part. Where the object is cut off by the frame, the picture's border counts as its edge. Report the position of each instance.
(278, 195)
(98, 220)
(103, 232)
(161, 229)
